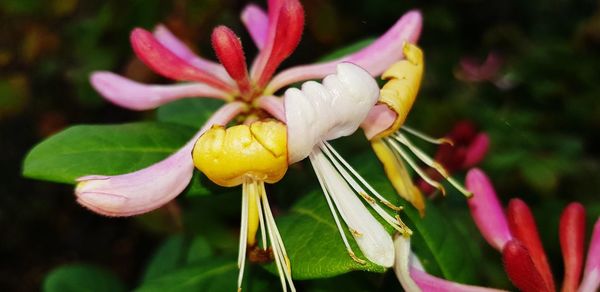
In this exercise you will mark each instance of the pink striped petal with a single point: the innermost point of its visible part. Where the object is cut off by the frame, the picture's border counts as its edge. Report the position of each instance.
(486, 210)
(171, 42)
(431, 283)
(137, 96)
(149, 188)
(477, 150)
(591, 273)
(257, 23)
(163, 61)
(375, 58)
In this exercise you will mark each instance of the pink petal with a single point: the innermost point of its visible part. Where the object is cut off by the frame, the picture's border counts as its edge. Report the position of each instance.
(380, 117)
(431, 283)
(273, 105)
(591, 273)
(486, 210)
(163, 61)
(149, 188)
(375, 58)
(257, 22)
(137, 96)
(171, 42)
(285, 31)
(477, 150)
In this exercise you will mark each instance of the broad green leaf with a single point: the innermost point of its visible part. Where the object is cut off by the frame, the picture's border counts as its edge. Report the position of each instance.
(189, 112)
(81, 277)
(103, 149)
(168, 257)
(209, 275)
(355, 47)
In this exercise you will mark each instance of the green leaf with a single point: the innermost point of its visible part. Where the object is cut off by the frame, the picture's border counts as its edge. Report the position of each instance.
(209, 275)
(189, 112)
(355, 47)
(167, 258)
(81, 277)
(199, 250)
(103, 149)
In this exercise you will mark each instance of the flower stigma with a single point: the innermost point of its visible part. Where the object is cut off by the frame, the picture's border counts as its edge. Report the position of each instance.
(250, 155)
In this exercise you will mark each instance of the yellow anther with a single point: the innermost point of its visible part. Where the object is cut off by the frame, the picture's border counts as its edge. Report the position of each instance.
(400, 91)
(257, 151)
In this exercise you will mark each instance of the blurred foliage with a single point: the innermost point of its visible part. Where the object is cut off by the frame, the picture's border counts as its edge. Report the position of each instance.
(541, 111)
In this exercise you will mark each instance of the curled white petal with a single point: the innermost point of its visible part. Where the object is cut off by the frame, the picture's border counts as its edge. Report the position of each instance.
(373, 240)
(329, 110)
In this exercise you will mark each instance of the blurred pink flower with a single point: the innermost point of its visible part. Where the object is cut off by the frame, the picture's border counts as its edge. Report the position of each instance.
(472, 70)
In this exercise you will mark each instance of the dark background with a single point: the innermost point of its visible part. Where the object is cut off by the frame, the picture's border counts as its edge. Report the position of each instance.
(540, 109)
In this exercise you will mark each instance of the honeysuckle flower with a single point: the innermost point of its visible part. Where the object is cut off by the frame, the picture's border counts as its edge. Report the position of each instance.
(413, 277)
(515, 235)
(308, 113)
(275, 32)
(474, 71)
(385, 123)
(467, 149)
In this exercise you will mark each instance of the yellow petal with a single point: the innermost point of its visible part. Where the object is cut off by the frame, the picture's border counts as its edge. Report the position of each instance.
(400, 91)
(258, 152)
(398, 175)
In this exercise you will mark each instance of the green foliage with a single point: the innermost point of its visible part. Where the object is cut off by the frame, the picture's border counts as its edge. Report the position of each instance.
(191, 112)
(79, 277)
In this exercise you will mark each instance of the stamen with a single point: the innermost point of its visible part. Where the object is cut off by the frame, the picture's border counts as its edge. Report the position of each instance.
(375, 243)
(431, 162)
(361, 179)
(357, 188)
(426, 137)
(261, 218)
(243, 234)
(414, 165)
(314, 161)
(230, 53)
(279, 252)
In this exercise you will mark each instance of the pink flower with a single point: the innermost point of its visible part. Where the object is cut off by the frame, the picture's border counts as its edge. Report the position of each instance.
(515, 235)
(276, 33)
